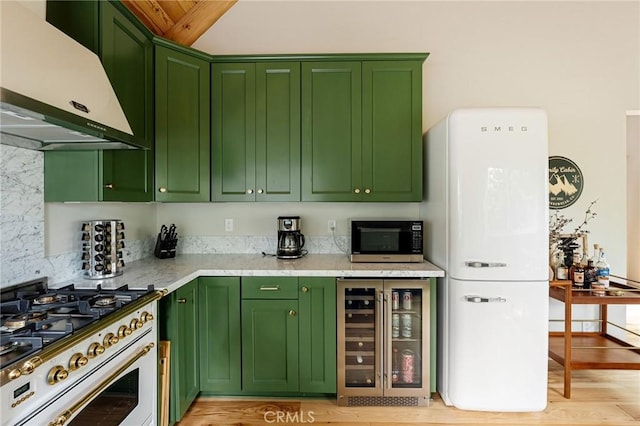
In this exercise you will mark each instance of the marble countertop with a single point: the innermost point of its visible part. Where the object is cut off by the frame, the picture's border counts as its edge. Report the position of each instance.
(171, 274)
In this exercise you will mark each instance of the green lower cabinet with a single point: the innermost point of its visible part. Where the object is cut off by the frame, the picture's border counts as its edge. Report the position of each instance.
(179, 324)
(270, 346)
(219, 321)
(317, 338)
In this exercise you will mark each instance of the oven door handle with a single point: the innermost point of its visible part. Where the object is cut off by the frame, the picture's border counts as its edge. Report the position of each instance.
(67, 414)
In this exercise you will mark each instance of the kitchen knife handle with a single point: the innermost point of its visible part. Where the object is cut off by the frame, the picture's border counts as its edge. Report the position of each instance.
(478, 264)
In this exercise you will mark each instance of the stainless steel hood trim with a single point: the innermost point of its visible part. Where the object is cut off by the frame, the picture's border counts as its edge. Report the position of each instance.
(85, 134)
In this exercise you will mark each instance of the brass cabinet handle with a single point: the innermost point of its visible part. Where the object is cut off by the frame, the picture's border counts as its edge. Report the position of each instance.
(162, 189)
(249, 191)
(304, 289)
(357, 190)
(260, 191)
(182, 300)
(292, 313)
(367, 191)
(109, 186)
(269, 288)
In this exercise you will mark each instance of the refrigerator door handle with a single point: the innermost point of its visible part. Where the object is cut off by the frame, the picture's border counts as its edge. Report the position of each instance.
(478, 264)
(479, 299)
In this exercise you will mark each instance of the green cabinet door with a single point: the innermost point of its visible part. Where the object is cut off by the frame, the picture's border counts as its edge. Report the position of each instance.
(127, 56)
(278, 131)
(255, 131)
(331, 131)
(179, 325)
(233, 134)
(392, 130)
(219, 322)
(182, 126)
(269, 346)
(318, 334)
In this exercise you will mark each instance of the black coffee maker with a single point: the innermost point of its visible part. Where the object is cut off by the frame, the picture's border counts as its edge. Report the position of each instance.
(290, 239)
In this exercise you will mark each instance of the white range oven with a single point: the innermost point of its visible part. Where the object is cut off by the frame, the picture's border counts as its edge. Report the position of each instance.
(73, 356)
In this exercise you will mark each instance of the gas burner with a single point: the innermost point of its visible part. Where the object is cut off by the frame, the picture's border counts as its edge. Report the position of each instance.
(46, 299)
(19, 321)
(6, 348)
(104, 301)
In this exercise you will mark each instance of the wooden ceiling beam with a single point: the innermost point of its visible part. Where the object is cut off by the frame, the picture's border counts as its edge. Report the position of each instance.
(151, 14)
(176, 8)
(197, 20)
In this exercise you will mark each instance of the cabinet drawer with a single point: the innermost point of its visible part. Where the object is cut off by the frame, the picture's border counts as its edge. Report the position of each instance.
(270, 287)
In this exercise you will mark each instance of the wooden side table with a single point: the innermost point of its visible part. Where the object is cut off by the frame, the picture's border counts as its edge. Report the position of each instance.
(592, 350)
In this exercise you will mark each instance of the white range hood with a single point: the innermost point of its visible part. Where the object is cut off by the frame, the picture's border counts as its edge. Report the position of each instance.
(54, 93)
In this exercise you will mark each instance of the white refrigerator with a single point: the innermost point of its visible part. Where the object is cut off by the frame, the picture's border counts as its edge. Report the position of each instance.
(486, 224)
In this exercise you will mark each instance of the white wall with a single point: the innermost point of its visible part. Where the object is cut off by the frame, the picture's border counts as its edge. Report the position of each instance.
(580, 61)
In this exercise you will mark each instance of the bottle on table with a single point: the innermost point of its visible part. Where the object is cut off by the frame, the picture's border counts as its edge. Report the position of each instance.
(603, 269)
(578, 273)
(590, 274)
(596, 253)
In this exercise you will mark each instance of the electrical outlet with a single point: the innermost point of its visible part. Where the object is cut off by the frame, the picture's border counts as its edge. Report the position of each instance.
(228, 225)
(331, 225)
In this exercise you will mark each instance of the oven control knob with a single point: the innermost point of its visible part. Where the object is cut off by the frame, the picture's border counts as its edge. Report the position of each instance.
(77, 360)
(146, 316)
(124, 331)
(95, 349)
(110, 339)
(29, 366)
(57, 374)
(135, 324)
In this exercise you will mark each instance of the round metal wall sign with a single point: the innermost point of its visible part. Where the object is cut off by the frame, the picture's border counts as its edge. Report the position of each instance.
(565, 182)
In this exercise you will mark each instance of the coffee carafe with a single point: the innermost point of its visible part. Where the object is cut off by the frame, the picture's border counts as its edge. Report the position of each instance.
(290, 239)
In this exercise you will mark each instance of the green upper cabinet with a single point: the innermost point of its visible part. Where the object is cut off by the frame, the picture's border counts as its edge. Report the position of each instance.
(362, 130)
(127, 56)
(331, 131)
(392, 130)
(255, 131)
(182, 126)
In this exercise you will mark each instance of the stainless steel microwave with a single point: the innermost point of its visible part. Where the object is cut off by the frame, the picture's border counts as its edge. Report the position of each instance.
(386, 240)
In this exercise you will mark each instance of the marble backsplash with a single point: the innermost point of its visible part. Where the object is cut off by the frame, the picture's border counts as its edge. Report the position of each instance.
(22, 229)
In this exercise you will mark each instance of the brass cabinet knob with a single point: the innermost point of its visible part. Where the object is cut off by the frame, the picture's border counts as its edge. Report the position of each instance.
(162, 189)
(182, 300)
(360, 344)
(95, 349)
(304, 289)
(249, 191)
(367, 191)
(77, 360)
(292, 313)
(146, 316)
(57, 374)
(357, 190)
(124, 331)
(260, 191)
(109, 340)
(109, 186)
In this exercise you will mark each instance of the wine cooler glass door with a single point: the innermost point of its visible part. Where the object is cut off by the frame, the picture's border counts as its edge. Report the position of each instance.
(406, 337)
(360, 315)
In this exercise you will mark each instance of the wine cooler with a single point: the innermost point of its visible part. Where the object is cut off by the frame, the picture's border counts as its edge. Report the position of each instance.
(383, 342)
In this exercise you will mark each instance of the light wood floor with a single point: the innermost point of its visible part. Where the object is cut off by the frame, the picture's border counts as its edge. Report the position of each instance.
(599, 397)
